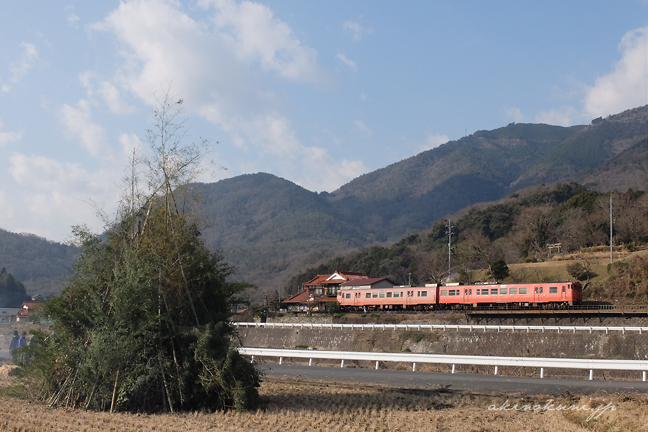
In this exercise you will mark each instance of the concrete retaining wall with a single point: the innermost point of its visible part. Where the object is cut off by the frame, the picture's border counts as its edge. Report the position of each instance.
(631, 346)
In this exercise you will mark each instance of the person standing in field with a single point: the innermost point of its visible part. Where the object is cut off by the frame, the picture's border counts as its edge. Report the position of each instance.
(22, 341)
(14, 341)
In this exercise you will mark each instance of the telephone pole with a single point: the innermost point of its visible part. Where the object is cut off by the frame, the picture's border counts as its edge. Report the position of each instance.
(449, 231)
(611, 259)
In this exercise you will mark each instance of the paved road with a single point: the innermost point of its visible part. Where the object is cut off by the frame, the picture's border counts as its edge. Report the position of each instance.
(472, 382)
(5, 354)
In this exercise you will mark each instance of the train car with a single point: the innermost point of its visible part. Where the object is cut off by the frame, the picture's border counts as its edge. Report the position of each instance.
(453, 296)
(517, 294)
(395, 298)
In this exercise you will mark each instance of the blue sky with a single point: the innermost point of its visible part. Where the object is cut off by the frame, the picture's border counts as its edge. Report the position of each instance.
(315, 92)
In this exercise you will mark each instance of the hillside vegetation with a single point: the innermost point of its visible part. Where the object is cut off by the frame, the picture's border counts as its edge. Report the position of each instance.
(43, 266)
(516, 230)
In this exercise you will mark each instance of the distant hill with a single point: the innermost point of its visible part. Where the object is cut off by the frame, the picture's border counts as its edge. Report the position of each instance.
(43, 266)
(271, 228)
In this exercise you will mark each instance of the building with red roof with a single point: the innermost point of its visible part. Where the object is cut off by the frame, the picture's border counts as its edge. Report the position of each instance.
(320, 292)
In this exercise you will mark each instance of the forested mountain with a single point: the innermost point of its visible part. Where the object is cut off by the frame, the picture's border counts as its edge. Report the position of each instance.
(41, 265)
(271, 229)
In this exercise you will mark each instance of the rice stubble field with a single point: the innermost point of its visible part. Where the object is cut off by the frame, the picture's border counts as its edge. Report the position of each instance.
(300, 405)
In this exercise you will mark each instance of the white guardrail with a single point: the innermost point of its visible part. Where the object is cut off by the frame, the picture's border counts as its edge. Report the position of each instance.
(444, 327)
(591, 364)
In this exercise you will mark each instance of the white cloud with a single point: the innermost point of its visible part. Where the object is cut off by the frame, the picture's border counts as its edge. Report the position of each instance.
(107, 91)
(214, 65)
(433, 141)
(78, 123)
(515, 114)
(338, 172)
(8, 137)
(627, 85)
(43, 173)
(257, 35)
(350, 63)
(565, 116)
(356, 30)
(362, 127)
(23, 65)
(55, 194)
(72, 17)
(129, 143)
(6, 209)
(111, 95)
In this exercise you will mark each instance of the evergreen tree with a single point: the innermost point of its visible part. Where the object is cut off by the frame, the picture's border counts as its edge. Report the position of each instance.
(12, 291)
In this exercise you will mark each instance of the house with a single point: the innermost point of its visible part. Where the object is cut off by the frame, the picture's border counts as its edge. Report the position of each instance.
(319, 293)
(8, 314)
(26, 310)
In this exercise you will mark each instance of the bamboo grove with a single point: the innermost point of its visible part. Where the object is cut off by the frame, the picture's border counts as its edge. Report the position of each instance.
(143, 325)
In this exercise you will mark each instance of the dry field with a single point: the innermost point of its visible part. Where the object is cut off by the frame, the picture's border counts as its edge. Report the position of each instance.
(312, 406)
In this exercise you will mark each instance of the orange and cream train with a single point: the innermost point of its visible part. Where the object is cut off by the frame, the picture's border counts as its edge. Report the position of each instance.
(455, 296)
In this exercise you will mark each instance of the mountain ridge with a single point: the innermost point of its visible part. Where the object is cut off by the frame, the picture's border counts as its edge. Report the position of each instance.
(270, 228)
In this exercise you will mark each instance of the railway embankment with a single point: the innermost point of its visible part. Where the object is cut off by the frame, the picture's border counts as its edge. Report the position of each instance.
(631, 345)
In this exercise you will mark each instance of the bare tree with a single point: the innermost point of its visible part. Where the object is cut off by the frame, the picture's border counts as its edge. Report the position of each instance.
(433, 266)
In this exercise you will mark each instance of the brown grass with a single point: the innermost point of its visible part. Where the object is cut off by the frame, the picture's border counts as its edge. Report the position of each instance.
(294, 405)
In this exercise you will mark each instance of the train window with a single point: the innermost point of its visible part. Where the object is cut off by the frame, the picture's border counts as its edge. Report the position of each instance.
(396, 294)
(523, 290)
(540, 290)
(484, 291)
(512, 290)
(553, 290)
(563, 288)
(368, 295)
(478, 291)
(418, 293)
(451, 292)
(389, 295)
(536, 290)
(444, 293)
(493, 291)
(423, 293)
(470, 291)
(502, 290)
(348, 296)
(465, 292)
(401, 293)
(382, 294)
(375, 295)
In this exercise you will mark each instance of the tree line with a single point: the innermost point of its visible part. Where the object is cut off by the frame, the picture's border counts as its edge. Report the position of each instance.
(519, 228)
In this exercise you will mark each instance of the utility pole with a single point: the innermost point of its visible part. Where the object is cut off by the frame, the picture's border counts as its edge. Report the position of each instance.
(449, 231)
(611, 227)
